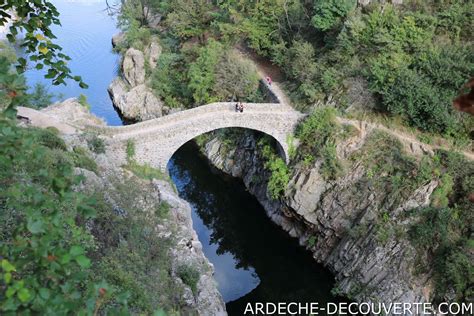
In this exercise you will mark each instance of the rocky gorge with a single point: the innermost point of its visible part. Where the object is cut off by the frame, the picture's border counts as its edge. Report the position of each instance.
(352, 224)
(148, 198)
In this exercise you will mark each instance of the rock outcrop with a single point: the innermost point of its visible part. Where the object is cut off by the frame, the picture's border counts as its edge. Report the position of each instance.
(133, 67)
(185, 249)
(339, 221)
(152, 53)
(130, 93)
(117, 39)
(138, 103)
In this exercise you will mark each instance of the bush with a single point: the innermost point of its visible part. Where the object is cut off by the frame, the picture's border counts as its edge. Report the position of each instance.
(279, 172)
(190, 276)
(83, 101)
(82, 159)
(169, 80)
(236, 79)
(202, 73)
(328, 13)
(40, 97)
(43, 248)
(317, 134)
(49, 137)
(96, 144)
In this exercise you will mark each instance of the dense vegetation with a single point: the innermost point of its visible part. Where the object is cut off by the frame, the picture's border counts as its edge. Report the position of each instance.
(413, 58)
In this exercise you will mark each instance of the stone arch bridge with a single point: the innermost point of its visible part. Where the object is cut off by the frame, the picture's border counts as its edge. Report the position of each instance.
(158, 139)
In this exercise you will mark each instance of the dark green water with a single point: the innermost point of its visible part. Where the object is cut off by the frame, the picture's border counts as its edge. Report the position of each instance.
(254, 260)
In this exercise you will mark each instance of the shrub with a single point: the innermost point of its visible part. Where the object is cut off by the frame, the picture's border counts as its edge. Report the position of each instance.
(201, 72)
(130, 150)
(328, 13)
(236, 78)
(83, 160)
(189, 275)
(279, 173)
(83, 101)
(169, 80)
(43, 248)
(318, 133)
(49, 137)
(40, 97)
(96, 144)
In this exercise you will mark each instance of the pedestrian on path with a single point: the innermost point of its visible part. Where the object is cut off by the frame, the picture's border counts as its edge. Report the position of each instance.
(269, 80)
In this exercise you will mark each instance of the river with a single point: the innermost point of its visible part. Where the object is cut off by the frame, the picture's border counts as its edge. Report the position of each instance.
(254, 260)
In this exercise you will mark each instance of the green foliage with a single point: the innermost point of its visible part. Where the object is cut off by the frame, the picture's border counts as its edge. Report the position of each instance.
(443, 230)
(317, 134)
(12, 87)
(201, 73)
(328, 13)
(49, 137)
(189, 275)
(34, 20)
(96, 144)
(279, 172)
(40, 97)
(129, 254)
(130, 150)
(44, 265)
(83, 101)
(439, 198)
(312, 241)
(236, 79)
(169, 81)
(82, 159)
(145, 171)
(190, 18)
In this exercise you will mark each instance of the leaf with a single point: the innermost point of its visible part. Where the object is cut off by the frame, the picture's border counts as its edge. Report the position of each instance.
(7, 266)
(39, 37)
(44, 293)
(159, 312)
(43, 50)
(35, 227)
(83, 261)
(7, 277)
(24, 295)
(83, 85)
(76, 251)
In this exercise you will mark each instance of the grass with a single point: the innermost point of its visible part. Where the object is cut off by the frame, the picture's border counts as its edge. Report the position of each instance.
(190, 276)
(96, 144)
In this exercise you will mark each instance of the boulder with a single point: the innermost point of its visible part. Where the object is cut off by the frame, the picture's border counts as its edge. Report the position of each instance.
(118, 38)
(133, 67)
(138, 104)
(153, 52)
(153, 19)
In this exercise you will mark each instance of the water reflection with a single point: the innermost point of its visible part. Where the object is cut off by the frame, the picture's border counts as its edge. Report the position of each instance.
(254, 260)
(85, 36)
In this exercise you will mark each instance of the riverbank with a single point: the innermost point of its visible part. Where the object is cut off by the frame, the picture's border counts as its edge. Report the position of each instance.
(163, 266)
(358, 227)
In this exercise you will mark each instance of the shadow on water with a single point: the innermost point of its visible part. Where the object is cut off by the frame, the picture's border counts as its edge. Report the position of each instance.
(254, 259)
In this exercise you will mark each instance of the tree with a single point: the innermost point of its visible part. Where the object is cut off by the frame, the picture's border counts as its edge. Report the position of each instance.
(34, 19)
(190, 18)
(202, 72)
(328, 13)
(235, 77)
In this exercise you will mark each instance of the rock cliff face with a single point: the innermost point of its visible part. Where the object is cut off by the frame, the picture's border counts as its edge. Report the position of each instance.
(110, 178)
(130, 93)
(340, 221)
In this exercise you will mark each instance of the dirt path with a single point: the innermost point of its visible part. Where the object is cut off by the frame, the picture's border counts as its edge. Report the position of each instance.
(266, 68)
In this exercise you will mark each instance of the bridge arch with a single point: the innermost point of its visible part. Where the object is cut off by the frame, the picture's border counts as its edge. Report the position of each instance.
(279, 146)
(157, 140)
